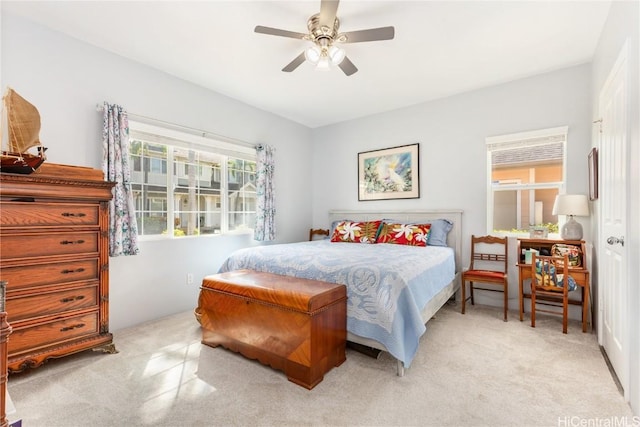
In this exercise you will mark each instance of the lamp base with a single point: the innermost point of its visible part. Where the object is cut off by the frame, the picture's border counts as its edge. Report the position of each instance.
(571, 230)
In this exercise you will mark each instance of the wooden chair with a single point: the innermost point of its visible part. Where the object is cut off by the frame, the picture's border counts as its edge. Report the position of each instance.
(550, 286)
(488, 266)
(317, 232)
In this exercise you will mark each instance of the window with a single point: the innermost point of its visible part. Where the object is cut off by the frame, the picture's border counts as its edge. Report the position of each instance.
(187, 185)
(526, 171)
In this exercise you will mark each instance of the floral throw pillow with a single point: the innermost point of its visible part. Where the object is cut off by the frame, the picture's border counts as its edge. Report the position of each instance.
(404, 234)
(356, 231)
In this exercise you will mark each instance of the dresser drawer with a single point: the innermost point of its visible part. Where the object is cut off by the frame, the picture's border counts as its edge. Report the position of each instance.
(13, 246)
(54, 332)
(26, 276)
(34, 214)
(48, 303)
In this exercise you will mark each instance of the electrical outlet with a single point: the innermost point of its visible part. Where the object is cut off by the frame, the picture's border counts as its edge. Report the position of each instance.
(189, 278)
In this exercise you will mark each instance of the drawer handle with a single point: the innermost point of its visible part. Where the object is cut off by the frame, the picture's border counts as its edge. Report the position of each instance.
(71, 299)
(71, 242)
(79, 215)
(72, 327)
(77, 270)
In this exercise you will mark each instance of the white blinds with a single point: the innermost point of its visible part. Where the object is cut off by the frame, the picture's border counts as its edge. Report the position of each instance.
(160, 135)
(527, 139)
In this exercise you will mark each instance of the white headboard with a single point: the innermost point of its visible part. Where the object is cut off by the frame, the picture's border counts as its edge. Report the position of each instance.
(454, 239)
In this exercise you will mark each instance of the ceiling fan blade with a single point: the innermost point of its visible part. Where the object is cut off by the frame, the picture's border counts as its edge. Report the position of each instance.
(295, 63)
(276, 32)
(347, 66)
(328, 11)
(373, 34)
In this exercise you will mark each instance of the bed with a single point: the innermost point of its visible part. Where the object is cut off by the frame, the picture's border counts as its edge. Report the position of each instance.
(393, 290)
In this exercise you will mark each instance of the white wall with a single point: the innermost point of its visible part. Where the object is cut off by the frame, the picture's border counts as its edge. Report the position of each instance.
(65, 79)
(452, 133)
(623, 24)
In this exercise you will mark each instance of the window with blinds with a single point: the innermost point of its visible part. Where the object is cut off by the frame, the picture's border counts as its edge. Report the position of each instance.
(526, 171)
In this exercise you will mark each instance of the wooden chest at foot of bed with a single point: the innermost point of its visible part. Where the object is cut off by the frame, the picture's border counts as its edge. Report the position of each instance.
(294, 325)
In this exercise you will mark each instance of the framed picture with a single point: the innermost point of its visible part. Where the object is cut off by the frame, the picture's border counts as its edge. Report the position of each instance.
(593, 174)
(391, 173)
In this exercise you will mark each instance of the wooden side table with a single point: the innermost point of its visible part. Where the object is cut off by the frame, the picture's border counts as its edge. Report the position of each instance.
(580, 274)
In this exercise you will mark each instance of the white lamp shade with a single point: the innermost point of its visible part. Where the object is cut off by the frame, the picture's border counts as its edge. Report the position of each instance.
(312, 54)
(336, 55)
(323, 63)
(571, 204)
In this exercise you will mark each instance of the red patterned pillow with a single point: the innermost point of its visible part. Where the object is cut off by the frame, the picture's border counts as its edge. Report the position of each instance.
(404, 234)
(356, 231)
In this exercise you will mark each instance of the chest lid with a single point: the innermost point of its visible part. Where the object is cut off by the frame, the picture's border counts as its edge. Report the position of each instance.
(298, 294)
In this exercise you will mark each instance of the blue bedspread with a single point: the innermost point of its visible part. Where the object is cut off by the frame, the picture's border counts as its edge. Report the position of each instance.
(387, 285)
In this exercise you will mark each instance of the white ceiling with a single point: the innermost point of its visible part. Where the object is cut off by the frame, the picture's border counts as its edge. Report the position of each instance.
(441, 48)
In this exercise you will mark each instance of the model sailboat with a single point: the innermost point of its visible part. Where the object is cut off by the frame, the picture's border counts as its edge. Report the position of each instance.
(23, 133)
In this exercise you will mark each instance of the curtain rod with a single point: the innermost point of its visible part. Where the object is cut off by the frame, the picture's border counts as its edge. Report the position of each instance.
(195, 131)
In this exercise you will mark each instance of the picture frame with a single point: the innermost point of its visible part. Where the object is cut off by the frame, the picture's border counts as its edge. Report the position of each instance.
(593, 174)
(390, 173)
(538, 232)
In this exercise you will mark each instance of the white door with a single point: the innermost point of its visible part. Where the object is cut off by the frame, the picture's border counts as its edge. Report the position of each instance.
(613, 313)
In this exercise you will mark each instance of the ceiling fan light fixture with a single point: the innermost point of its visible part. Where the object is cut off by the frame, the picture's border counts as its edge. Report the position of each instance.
(313, 54)
(336, 55)
(323, 31)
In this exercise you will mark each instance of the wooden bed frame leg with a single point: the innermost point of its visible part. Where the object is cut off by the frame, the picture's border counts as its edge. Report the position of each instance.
(400, 368)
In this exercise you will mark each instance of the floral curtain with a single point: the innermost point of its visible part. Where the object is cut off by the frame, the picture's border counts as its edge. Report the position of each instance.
(123, 230)
(265, 228)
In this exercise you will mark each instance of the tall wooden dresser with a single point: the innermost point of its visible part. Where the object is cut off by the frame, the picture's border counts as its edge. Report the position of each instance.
(54, 257)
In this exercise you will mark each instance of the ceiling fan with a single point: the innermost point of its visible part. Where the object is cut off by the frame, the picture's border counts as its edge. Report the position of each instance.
(323, 32)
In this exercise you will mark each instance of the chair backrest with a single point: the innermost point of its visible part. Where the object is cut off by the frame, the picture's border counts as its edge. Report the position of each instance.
(317, 232)
(550, 273)
(489, 253)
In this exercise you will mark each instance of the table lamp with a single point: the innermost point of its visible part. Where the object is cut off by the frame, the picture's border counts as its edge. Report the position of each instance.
(571, 205)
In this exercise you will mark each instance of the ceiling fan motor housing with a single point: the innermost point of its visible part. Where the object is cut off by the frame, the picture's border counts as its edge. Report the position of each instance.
(322, 35)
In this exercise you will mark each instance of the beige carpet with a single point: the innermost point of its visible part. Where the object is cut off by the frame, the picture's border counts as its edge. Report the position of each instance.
(472, 370)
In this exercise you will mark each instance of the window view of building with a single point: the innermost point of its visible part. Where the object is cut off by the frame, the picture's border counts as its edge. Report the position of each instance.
(526, 172)
(182, 191)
